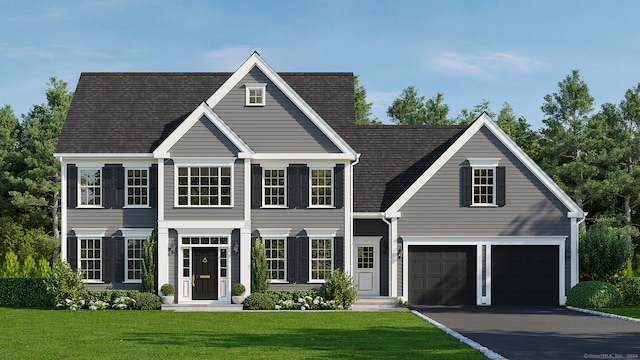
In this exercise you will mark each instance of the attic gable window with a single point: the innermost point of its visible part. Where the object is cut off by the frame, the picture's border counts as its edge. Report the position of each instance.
(483, 183)
(255, 94)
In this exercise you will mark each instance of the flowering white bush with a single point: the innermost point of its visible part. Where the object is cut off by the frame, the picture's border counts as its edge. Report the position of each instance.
(123, 303)
(308, 303)
(98, 305)
(71, 304)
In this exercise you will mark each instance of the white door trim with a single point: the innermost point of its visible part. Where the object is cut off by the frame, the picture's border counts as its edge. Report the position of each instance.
(369, 275)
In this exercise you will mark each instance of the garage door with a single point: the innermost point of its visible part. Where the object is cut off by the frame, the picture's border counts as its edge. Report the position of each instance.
(442, 275)
(525, 275)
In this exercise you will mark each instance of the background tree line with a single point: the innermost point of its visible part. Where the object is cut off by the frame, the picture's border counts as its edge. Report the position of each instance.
(592, 155)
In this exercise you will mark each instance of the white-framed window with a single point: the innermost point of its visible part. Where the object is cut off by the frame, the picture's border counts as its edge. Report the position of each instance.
(90, 187)
(255, 94)
(321, 259)
(276, 258)
(207, 186)
(90, 259)
(274, 187)
(321, 186)
(137, 187)
(484, 186)
(133, 260)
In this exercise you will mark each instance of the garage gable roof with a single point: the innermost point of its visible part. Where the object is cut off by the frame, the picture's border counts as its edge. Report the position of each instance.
(484, 121)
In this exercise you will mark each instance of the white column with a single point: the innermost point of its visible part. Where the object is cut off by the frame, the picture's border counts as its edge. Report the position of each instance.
(163, 258)
(393, 257)
(245, 258)
(574, 252)
(63, 211)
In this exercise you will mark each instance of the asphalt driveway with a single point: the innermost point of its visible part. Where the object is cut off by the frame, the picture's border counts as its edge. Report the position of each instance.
(541, 332)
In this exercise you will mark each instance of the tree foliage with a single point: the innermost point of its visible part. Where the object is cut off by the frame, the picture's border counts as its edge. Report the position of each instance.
(10, 266)
(364, 116)
(603, 253)
(259, 268)
(148, 271)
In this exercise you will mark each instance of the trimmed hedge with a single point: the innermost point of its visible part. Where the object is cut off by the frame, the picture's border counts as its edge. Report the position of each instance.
(629, 288)
(294, 295)
(25, 292)
(594, 294)
(144, 300)
(258, 301)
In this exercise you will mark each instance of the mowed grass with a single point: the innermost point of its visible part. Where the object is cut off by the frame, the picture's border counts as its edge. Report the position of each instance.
(628, 311)
(58, 334)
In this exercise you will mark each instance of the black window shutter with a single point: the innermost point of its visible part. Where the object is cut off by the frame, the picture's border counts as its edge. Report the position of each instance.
(72, 186)
(72, 252)
(119, 181)
(500, 186)
(467, 186)
(107, 259)
(293, 181)
(256, 186)
(338, 253)
(153, 185)
(338, 186)
(304, 259)
(304, 187)
(291, 260)
(119, 261)
(107, 186)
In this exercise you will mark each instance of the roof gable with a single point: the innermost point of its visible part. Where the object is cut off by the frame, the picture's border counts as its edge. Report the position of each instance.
(485, 121)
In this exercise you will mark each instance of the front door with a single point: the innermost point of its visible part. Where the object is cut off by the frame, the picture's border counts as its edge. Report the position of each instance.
(204, 278)
(367, 266)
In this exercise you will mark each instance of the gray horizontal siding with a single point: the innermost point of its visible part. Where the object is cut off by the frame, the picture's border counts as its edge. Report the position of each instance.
(277, 127)
(183, 213)
(530, 210)
(203, 140)
(298, 219)
(111, 219)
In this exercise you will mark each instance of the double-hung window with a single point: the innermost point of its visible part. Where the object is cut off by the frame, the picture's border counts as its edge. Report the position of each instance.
(137, 187)
(276, 258)
(484, 186)
(484, 183)
(90, 185)
(321, 187)
(321, 258)
(204, 186)
(274, 187)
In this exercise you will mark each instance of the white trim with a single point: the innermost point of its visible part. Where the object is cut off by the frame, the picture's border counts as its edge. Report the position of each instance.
(272, 238)
(79, 186)
(89, 232)
(63, 209)
(160, 190)
(274, 233)
(200, 232)
(489, 241)
(162, 151)
(321, 233)
(483, 162)
(248, 88)
(373, 241)
(126, 187)
(211, 163)
(318, 167)
(202, 224)
(311, 259)
(285, 203)
(484, 121)
(99, 258)
(72, 157)
(301, 156)
(255, 60)
(136, 232)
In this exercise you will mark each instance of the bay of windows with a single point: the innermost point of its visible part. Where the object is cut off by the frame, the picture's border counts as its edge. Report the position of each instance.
(204, 186)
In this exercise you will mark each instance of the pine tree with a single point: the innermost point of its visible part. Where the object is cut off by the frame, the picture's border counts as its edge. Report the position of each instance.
(29, 267)
(11, 266)
(259, 268)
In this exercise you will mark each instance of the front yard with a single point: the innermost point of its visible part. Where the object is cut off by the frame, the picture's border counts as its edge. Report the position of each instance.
(628, 311)
(49, 334)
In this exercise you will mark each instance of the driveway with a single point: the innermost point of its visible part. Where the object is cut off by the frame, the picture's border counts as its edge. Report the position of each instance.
(541, 332)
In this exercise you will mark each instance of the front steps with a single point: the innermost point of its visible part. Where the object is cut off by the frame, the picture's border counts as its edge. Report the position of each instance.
(377, 303)
(202, 307)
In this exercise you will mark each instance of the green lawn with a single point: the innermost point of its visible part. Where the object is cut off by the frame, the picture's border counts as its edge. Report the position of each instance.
(62, 334)
(629, 311)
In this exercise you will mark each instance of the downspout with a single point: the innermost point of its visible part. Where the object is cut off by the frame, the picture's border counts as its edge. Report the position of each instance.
(349, 247)
(576, 266)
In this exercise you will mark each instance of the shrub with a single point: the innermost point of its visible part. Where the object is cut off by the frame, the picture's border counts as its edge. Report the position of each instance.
(258, 301)
(29, 267)
(629, 289)
(594, 294)
(43, 268)
(293, 295)
(167, 289)
(25, 292)
(124, 303)
(259, 268)
(308, 303)
(11, 266)
(147, 301)
(340, 288)
(65, 283)
(238, 289)
(148, 271)
(603, 253)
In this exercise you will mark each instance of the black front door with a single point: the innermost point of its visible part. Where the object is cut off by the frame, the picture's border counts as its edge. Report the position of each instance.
(204, 278)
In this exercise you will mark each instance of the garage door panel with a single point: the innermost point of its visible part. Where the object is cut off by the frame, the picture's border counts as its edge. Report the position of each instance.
(525, 275)
(449, 275)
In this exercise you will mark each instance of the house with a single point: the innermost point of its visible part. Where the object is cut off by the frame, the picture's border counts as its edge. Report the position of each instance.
(208, 162)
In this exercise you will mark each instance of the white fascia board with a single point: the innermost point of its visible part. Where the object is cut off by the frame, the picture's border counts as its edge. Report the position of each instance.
(484, 120)
(136, 232)
(256, 60)
(493, 240)
(70, 157)
(162, 151)
(274, 233)
(368, 215)
(303, 156)
(201, 224)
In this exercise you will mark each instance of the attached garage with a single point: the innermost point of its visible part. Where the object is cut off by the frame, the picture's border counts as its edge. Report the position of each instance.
(442, 274)
(525, 275)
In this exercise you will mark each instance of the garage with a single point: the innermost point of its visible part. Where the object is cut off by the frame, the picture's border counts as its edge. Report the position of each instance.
(525, 275)
(442, 275)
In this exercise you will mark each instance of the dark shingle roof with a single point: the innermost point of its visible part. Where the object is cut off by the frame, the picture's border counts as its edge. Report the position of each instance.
(393, 157)
(135, 112)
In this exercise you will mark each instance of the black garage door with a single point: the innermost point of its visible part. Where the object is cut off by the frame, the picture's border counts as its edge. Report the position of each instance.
(525, 275)
(442, 275)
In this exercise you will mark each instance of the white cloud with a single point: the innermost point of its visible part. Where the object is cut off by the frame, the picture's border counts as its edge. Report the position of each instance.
(482, 65)
(228, 59)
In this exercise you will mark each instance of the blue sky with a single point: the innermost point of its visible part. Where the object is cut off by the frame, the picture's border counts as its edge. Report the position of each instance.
(513, 51)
